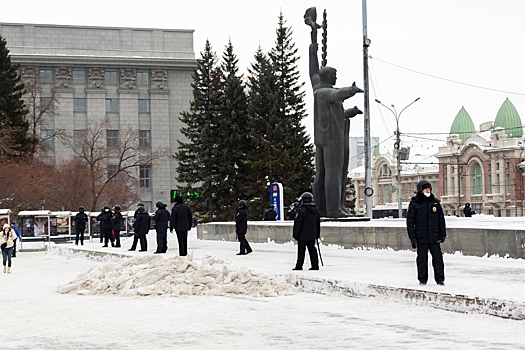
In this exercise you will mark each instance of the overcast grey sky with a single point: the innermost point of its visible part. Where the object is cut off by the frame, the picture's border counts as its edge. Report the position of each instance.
(476, 42)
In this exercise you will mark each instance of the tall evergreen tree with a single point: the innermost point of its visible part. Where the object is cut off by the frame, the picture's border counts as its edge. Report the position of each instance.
(232, 137)
(198, 155)
(12, 108)
(266, 136)
(296, 155)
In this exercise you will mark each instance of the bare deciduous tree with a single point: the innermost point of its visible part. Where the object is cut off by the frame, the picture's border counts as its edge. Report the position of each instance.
(42, 104)
(112, 168)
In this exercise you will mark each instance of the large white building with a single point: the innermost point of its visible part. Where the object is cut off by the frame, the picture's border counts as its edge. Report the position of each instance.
(134, 76)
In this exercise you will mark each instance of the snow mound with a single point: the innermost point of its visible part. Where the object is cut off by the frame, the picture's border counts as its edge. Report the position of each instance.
(178, 276)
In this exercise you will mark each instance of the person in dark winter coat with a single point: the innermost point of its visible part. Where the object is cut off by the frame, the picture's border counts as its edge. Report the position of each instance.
(426, 230)
(180, 221)
(105, 226)
(18, 237)
(162, 219)
(241, 227)
(270, 214)
(81, 220)
(306, 230)
(141, 227)
(290, 215)
(116, 225)
(467, 211)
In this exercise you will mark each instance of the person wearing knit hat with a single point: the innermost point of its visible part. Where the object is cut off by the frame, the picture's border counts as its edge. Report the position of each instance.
(7, 242)
(426, 230)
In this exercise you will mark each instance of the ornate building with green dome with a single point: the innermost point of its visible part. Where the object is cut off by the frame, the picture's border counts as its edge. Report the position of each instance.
(482, 166)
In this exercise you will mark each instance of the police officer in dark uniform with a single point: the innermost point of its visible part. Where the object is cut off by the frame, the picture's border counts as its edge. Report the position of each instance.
(467, 211)
(141, 227)
(180, 221)
(306, 230)
(116, 225)
(81, 220)
(162, 219)
(105, 226)
(241, 227)
(270, 214)
(426, 230)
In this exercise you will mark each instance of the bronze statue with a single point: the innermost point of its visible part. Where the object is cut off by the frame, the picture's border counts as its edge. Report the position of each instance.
(331, 127)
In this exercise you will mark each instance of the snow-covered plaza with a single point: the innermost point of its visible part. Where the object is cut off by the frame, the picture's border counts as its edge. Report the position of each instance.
(214, 299)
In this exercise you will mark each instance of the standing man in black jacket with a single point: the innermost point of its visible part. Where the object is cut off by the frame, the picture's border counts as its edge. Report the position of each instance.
(116, 225)
(241, 227)
(306, 230)
(162, 219)
(81, 220)
(105, 226)
(141, 227)
(426, 230)
(180, 221)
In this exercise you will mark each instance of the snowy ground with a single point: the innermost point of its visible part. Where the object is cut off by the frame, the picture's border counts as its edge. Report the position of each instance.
(83, 317)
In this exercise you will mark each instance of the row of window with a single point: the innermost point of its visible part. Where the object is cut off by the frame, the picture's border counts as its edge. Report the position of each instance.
(144, 174)
(78, 76)
(112, 138)
(112, 105)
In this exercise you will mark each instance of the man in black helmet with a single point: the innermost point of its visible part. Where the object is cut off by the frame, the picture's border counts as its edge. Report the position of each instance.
(426, 230)
(467, 211)
(162, 219)
(180, 221)
(306, 230)
(81, 220)
(241, 227)
(116, 224)
(105, 226)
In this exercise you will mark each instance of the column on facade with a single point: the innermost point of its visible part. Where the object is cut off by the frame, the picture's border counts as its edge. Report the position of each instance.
(65, 120)
(160, 139)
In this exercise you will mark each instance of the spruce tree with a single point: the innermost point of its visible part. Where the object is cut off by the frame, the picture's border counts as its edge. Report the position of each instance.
(266, 136)
(198, 155)
(232, 137)
(12, 109)
(296, 169)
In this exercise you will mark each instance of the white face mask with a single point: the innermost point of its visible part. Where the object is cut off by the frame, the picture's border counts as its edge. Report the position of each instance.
(427, 194)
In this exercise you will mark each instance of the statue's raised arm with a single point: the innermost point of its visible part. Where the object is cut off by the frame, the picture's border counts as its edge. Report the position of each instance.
(310, 17)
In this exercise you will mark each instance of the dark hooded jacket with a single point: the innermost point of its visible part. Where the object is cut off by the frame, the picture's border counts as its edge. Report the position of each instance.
(307, 223)
(142, 223)
(425, 219)
(241, 221)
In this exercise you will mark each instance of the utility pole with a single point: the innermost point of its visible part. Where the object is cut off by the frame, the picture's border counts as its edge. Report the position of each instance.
(368, 192)
(397, 147)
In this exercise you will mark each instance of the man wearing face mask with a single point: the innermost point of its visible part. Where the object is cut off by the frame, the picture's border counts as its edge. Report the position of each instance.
(426, 230)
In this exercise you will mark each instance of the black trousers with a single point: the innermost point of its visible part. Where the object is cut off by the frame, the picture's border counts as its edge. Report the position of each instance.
(143, 241)
(437, 262)
(162, 236)
(80, 232)
(244, 246)
(301, 252)
(14, 248)
(116, 238)
(106, 234)
(182, 238)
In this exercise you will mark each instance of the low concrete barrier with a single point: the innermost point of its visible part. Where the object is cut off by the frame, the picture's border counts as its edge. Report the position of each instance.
(469, 241)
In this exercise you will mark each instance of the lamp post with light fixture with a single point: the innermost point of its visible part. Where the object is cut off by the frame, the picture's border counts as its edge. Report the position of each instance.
(396, 146)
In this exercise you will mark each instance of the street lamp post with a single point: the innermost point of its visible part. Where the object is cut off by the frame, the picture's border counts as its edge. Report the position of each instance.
(42, 203)
(398, 143)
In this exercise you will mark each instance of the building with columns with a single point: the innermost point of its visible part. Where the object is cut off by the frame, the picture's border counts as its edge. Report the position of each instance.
(482, 166)
(133, 76)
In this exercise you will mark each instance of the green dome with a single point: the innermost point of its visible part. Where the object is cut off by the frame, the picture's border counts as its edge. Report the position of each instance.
(462, 125)
(509, 119)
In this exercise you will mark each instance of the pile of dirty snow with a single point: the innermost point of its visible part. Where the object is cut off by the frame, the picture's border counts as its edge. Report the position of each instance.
(156, 275)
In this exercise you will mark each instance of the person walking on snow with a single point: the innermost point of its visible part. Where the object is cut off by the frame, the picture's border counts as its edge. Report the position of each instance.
(7, 242)
(18, 237)
(426, 231)
(241, 227)
(306, 230)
